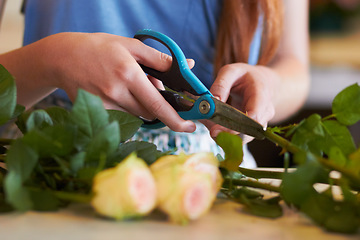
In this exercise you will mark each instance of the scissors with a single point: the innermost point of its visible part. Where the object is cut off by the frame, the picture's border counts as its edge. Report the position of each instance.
(201, 104)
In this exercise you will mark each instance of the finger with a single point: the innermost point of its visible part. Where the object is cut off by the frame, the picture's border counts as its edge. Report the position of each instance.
(150, 57)
(260, 108)
(153, 58)
(128, 104)
(216, 129)
(154, 102)
(156, 82)
(207, 123)
(191, 63)
(246, 138)
(225, 80)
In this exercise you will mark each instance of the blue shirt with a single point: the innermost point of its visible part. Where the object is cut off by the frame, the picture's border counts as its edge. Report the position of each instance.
(192, 24)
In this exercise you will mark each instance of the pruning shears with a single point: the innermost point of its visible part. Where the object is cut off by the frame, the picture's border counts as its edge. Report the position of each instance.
(201, 104)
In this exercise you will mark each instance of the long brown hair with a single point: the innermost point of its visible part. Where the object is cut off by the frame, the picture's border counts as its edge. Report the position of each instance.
(237, 25)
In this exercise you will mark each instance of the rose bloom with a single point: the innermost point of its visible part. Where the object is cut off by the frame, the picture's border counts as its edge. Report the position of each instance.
(187, 185)
(125, 191)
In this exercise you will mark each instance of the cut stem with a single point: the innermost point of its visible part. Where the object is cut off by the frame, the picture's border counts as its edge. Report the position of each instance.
(6, 141)
(254, 184)
(258, 174)
(288, 146)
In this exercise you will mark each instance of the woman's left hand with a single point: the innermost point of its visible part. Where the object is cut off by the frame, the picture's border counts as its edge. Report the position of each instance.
(247, 88)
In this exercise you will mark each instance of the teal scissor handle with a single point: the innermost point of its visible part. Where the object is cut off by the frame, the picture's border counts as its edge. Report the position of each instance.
(179, 78)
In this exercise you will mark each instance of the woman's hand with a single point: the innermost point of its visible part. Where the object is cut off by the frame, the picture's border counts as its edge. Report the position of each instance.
(103, 64)
(247, 88)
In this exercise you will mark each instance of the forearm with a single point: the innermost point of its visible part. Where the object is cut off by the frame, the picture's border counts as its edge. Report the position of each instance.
(28, 65)
(291, 64)
(292, 86)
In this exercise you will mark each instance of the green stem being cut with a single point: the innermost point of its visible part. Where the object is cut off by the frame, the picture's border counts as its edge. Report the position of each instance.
(6, 141)
(252, 183)
(258, 174)
(282, 142)
(288, 146)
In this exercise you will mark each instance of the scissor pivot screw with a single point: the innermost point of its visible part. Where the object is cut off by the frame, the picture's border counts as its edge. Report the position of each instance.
(204, 107)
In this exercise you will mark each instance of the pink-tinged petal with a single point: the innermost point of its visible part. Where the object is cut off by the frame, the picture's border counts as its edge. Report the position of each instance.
(197, 200)
(125, 191)
(142, 190)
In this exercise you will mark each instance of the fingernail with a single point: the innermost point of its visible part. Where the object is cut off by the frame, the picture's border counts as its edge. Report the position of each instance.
(190, 127)
(215, 133)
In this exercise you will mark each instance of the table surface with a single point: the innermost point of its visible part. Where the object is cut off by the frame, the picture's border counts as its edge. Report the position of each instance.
(226, 220)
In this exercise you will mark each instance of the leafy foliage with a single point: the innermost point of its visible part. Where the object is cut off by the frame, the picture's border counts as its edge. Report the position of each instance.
(60, 152)
(7, 96)
(318, 145)
(346, 105)
(232, 146)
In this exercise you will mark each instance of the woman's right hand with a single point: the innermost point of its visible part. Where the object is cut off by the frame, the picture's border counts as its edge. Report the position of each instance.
(103, 64)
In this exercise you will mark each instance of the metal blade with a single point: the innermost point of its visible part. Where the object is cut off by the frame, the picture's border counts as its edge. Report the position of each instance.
(232, 118)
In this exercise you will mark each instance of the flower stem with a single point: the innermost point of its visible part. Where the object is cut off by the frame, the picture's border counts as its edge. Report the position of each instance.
(6, 141)
(288, 146)
(73, 197)
(282, 142)
(254, 184)
(257, 174)
(328, 117)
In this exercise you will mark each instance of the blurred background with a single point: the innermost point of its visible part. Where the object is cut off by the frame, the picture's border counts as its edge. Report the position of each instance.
(334, 27)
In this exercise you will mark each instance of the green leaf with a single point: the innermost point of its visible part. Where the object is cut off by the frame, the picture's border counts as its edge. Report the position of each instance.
(19, 109)
(53, 140)
(44, 200)
(255, 203)
(269, 208)
(297, 186)
(38, 119)
(58, 115)
(16, 194)
(346, 105)
(89, 115)
(49, 116)
(105, 142)
(77, 162)
(249, 193)
(332, 215)
(309, 134)
(337, 135)
(128, 124)
(21, 121)
(21, 160)
(337, 156)
(87, 173)
(232, 146)
(7, 95)
(354, 161)
(145, 150)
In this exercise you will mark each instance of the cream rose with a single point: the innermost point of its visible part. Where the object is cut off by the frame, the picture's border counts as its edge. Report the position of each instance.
(125, 191)
(187, 185)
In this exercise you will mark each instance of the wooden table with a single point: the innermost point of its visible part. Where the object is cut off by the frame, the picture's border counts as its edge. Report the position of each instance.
(224, 221)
